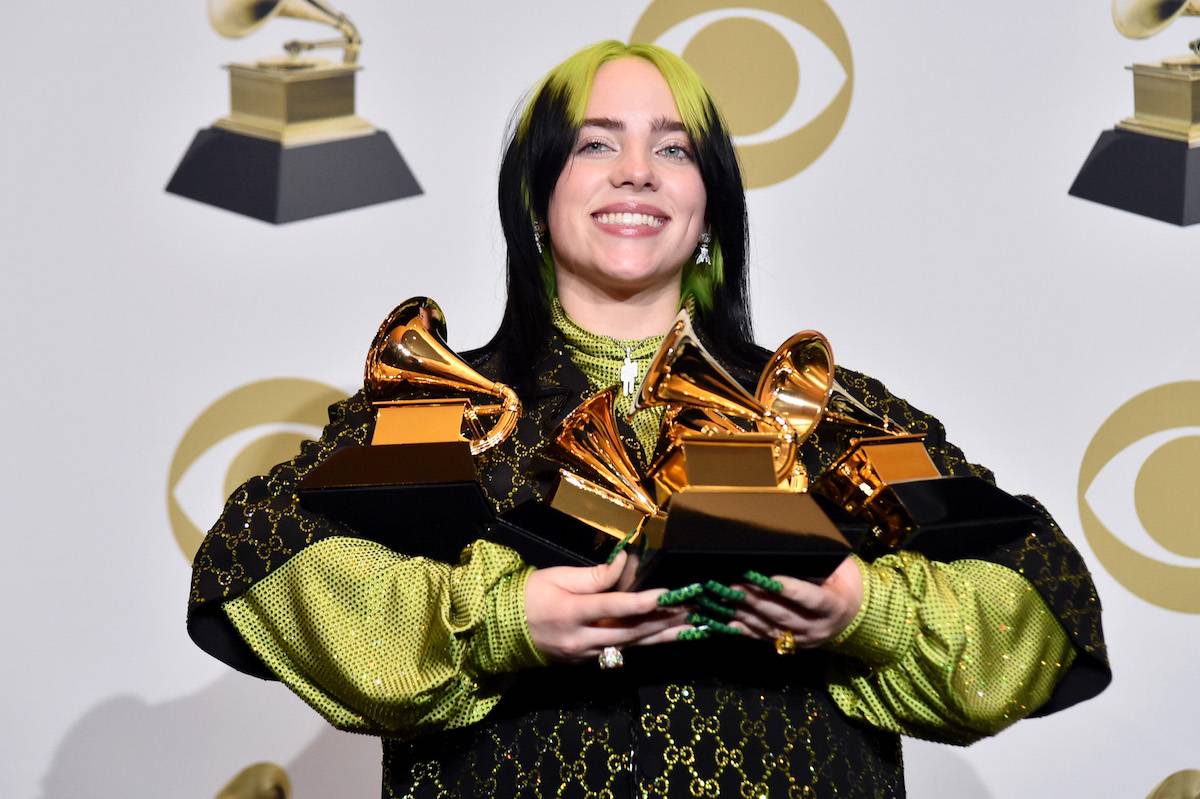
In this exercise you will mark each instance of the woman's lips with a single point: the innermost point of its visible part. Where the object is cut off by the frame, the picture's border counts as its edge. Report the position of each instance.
(629, 223)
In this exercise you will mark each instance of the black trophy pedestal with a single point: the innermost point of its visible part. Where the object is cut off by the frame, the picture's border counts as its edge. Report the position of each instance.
(951, 517)
(1147, 175)
(720, 535)
(268, 181)
(385, 493)
(548, 537)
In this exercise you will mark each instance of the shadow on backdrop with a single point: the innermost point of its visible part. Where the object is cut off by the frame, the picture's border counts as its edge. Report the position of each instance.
(191, 746)
(938, 770)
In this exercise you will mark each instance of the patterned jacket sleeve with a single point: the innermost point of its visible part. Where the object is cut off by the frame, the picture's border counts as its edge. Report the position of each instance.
(955, 651)
(380, 643)
(283, 593)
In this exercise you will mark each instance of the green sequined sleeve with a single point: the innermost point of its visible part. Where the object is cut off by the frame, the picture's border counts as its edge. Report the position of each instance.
(947, 651)
(382, 643)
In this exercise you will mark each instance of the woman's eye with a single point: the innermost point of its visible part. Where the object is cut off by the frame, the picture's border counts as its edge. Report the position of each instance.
(594, 147)
(677, 152)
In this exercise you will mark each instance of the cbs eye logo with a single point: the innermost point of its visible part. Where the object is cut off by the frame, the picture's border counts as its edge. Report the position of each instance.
(1150, 449)
(242, 434)
(781, 117)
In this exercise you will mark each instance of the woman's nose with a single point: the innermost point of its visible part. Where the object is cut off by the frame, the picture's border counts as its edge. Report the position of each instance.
(634, 169)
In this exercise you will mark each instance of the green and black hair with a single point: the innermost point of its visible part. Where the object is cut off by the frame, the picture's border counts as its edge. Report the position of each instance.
(541, 143)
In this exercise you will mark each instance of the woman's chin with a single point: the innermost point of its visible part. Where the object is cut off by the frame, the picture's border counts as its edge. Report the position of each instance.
(636, 275)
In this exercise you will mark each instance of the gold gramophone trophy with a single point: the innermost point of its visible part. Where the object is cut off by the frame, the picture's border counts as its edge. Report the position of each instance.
(723, 499)
(884, 490)
(414, 486)
(292, 145)
(598, 501)
(1150, 163)
(728, 474)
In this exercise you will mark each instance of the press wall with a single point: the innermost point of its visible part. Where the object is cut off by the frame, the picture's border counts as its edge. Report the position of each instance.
(910, 164)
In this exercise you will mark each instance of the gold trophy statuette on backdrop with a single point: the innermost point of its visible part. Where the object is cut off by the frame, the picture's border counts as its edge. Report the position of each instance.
(1150, 162)
(414, 486)
(292, 145)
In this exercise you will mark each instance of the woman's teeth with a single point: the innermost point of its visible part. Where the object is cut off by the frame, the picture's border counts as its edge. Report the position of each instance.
(629, 219)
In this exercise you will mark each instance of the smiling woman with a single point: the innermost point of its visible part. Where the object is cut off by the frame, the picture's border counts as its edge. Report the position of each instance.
(585, 168)
(628, 209)
(621, 200)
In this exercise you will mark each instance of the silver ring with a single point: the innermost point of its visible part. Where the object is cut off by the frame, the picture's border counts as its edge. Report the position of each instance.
(611, 658)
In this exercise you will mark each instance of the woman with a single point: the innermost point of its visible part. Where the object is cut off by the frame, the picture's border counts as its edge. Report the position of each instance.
(621, 200)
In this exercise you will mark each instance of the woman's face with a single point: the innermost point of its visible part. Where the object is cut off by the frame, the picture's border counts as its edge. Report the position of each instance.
(628, 208)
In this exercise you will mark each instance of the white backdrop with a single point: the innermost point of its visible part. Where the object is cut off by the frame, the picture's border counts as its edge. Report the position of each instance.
(934, 243)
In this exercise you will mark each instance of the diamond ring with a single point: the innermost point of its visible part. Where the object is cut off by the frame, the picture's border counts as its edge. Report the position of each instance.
(611, 658)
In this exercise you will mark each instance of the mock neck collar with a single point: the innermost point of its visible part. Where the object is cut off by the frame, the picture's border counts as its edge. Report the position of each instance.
(595, 345)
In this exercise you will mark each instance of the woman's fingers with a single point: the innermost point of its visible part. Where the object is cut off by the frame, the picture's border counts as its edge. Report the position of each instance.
(618, 605)
(753, 624)
(665, 636)
(812, 613)
(639, 632)
(587, 579)
(807, 596)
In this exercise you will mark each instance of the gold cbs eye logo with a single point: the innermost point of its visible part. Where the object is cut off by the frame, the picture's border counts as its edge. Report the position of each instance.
(782, 117)
(1165, 568)
(241, 434)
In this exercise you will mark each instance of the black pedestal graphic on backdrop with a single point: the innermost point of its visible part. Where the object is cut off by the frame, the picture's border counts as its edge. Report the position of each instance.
(1147, 175)
(268, 181)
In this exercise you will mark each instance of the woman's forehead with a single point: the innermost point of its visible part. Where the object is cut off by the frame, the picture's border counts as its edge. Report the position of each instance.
(633, 91)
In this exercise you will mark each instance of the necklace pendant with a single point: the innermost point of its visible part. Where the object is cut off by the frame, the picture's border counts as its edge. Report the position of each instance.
(629, 374)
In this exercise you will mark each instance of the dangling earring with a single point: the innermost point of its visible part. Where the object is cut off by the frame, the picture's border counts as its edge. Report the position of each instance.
(703, 258)
(539, 230)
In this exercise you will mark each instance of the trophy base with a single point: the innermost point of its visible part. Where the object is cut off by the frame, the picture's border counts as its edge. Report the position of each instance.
(417, 499)
(1144, 174)
(266, 180)
(546, 536)
(948, 518)
(717, 534)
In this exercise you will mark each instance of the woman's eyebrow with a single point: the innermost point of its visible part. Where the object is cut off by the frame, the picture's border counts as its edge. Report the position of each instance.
(608, 123)
(664, 124)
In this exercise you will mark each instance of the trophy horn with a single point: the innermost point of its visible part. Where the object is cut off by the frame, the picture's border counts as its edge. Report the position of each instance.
(683, 373)
(588, 440)
(237, 18)
(410, 350)
(799, 383)
(1139, 19)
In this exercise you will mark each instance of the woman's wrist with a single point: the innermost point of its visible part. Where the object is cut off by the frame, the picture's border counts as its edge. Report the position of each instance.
(882, 629)
(506, 644)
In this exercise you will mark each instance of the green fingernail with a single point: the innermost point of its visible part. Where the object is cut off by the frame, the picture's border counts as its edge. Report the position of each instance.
(725, 592)
(713, 606)
(697, 634)
(680, 595)
(613, 554)
(701, 621)
(724, 629)
(764, 582)
(620, 545)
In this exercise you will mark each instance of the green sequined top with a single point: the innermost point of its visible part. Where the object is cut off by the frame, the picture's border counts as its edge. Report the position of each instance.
(378, 642)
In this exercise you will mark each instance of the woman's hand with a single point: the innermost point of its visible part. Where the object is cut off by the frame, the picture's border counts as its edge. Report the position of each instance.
(812, 613)
(573, 613)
